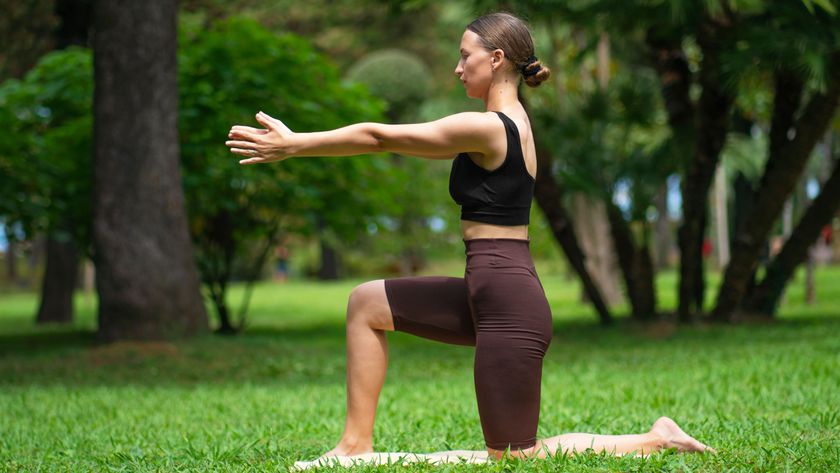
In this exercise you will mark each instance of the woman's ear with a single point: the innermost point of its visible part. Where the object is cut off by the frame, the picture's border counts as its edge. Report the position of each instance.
(497, 56)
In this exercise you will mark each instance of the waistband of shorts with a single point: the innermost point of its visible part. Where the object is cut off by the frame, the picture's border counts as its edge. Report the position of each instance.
(514, 247)
(479, 240)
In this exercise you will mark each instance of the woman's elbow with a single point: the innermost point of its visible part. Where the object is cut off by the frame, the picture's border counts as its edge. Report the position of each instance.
(375, 137)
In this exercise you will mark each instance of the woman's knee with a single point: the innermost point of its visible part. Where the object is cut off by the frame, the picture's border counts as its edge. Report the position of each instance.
(539, 450)
(368, 304)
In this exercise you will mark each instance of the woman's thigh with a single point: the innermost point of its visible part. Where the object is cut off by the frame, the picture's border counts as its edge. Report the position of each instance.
(513, 322)
(432, 307)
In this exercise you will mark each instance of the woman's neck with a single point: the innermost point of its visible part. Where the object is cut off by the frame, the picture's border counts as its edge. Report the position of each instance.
(501, 95)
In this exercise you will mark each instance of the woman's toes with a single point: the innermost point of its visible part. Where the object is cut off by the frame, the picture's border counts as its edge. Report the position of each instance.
(674, 437)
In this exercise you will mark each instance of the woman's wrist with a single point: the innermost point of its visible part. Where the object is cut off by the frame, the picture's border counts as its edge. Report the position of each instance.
(292, 144)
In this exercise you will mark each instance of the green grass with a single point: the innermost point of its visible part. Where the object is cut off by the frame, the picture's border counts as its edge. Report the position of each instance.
(766, 395)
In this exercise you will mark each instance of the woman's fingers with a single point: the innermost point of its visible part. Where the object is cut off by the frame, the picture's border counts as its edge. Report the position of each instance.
(240, 144)
(245, 135)
(277, 123)
(244, 152)
(271, 124)
(249, 129)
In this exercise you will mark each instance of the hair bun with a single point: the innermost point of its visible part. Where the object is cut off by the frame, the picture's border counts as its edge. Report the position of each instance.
(528, 69)
(534, 73)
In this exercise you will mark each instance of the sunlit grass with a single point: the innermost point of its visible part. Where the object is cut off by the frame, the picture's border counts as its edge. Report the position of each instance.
(766, 395)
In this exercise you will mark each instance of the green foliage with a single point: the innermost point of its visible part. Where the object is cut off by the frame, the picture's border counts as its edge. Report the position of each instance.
(398, 77)
(226, 75)
(46, 147)
(401, 79)
(230, 72)
(609, 138)
(238, 68)
(826, 5)
(781, 35)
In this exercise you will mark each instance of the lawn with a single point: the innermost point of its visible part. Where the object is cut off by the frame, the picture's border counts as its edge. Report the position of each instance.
(767, 396)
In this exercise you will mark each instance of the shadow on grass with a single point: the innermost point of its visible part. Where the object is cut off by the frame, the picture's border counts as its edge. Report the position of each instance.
(49, 341)
(314, 353)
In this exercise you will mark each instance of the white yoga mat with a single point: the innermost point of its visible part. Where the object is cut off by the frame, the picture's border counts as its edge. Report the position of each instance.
(404, 458)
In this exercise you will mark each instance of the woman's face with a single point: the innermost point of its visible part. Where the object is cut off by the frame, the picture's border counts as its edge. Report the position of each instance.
(475, 68)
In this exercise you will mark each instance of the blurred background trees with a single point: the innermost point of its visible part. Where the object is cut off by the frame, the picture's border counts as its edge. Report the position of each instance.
(682, 136)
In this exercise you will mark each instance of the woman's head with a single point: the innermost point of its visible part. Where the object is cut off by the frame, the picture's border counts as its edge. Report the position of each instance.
(502, 42)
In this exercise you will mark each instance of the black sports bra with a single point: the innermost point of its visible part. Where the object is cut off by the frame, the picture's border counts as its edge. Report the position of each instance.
(501, 196)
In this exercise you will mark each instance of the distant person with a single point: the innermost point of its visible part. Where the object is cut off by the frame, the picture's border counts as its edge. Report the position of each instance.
(281, 269)
(499, 306)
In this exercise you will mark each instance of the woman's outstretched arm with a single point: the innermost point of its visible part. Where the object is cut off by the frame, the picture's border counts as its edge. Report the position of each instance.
(443, 138)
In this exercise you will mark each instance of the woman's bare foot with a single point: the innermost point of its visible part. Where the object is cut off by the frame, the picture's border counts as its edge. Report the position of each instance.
(674, 437)
(348, 449)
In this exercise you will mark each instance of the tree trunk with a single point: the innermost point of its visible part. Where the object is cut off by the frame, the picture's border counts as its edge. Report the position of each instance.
(712, 126)
(593, 227)
(37, 250)
(217, 290)
(662, 230)
(721, 218)
(671, 65)
(810, 291)
(548, 194)
(11, 260)
(784, 167)
(59, 281)
(636, 266)
(766, 296)
(329, 262)
(146, 278)
(744, 201)
(328, 269)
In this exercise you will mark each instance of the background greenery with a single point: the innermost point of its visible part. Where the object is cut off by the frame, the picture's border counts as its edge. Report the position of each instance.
(764, 393)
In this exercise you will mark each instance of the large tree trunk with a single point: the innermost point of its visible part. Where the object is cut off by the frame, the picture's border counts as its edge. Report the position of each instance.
(712, 126)
(784, 167)
(146, 277)
(766, 296)
(59, 281)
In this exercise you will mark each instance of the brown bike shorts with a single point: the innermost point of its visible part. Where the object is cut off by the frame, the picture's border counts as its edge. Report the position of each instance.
(499, 306)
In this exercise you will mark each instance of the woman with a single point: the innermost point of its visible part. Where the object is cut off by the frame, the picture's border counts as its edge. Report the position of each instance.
(499, 306)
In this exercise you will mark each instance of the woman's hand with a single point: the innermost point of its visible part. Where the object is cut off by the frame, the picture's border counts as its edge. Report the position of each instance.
(261, 145)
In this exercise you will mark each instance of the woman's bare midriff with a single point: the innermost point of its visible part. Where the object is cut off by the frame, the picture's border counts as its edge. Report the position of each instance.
(472, 230)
